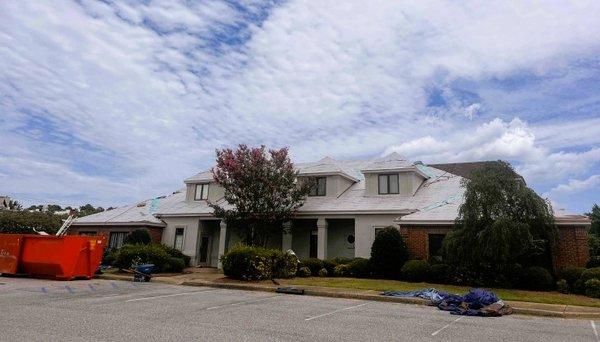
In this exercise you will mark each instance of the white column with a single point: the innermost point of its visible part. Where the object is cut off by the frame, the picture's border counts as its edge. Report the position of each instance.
(286, 238)
(222, 241)
(322, 238)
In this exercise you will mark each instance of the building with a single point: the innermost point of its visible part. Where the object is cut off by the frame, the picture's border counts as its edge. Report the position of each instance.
(351, 202)
(4, 203)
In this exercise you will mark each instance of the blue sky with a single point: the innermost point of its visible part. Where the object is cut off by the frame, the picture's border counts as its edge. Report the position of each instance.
(110, 102)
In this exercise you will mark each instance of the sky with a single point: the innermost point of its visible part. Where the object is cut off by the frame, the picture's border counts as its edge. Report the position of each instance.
(111, 102)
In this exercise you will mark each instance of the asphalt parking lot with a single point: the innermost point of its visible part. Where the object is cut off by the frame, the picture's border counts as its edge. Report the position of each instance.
(102, 310)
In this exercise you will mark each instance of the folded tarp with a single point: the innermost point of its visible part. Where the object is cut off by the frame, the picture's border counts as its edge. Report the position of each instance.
(478, 302)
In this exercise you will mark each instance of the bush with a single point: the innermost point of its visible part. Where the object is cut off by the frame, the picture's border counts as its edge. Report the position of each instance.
(25, 221)
(256, 263)
(329, 265)
(579, 287)
(440, 274)
(571, 275)
(415, 270)
(303, 272)
(536, 278)
(340, 270)
(248, 263)
(359, 268)
(590, 273)
(388, 253)
(341, 260)
(592, 288)
(175, 253)
(176, 264)
(314, 264)
(323, 272)
(593, 262)
(562, 286)
(129, 255)
(138, 237)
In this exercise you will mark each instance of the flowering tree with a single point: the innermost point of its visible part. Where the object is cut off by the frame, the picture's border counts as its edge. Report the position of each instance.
(261, 191)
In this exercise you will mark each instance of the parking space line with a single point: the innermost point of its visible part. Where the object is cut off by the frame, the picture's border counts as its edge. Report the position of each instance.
(447, 325)
(240, 303)
(595, 330)
(170, 295)
(336, 311)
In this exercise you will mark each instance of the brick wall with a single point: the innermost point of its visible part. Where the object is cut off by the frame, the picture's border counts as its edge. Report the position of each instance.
(417, 239)
(572, 247)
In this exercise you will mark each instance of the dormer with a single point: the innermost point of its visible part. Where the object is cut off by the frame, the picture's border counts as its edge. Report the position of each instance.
(202, 187)
(330, 179)
(393, 175)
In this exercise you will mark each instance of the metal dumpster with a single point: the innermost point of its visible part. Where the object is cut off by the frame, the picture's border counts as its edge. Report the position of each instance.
(46, 256)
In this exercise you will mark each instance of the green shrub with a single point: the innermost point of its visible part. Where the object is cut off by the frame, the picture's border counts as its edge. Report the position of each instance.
(248, 263)
(579, 287)
(314, 264)
(388, 253)
(329, 265)
(593, 262)
(562, 286)
(175, 253)
(138, 237)
(359, 268)
(415, 270)
(340, 270)
(571, 275)
(176, 264)
(592, 288)
(440, 273)
(303, 272)
(25, 221)
(341, 260)
(129, 255)
(590, 273)
(323, 272)
(285, 264)
(536, 278)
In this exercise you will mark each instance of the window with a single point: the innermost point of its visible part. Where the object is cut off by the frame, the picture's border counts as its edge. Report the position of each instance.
(435, 245)
(319, 188)
(388, 184)
(201, 192)
(178, 244)
(116, 239)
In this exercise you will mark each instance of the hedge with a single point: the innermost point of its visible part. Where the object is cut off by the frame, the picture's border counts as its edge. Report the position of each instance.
(256, 263)
(25, 221)
(536, 278)
(130, 255)
(388, 253)
(415, 270)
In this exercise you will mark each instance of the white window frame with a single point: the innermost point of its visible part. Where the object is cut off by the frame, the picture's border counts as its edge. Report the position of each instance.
(203, 192)
(388, 188)
(182, 238)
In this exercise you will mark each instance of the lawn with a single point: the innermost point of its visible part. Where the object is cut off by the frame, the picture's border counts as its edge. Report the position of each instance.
(388, 285)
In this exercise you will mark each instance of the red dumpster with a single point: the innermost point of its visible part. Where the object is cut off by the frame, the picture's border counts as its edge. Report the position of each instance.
(46, 256)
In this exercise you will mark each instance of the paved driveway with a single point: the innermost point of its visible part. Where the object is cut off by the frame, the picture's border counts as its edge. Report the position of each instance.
(102, 310)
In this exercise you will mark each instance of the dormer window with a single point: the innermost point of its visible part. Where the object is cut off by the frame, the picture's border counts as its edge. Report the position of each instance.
(388, 184)
(319, 188)
(201, 192)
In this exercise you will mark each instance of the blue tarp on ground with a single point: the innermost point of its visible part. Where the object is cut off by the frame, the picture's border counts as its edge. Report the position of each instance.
(478, 302)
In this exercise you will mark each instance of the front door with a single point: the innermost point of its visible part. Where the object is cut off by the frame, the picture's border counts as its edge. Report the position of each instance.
(204, 253)
(313, 244)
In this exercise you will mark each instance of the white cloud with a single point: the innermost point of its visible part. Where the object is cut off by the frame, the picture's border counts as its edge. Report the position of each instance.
(146, 91)
(577, 185)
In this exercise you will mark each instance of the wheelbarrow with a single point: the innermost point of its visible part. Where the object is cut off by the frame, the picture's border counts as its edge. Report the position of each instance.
(142, 273)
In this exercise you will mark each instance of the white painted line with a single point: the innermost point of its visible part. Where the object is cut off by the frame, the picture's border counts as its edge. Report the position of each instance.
(595, 330)
(169, 295)
(240, 303)
(336, 311)
(447, 325)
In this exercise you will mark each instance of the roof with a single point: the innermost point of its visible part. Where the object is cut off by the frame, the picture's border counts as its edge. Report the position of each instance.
(202, 177)
(465, 170)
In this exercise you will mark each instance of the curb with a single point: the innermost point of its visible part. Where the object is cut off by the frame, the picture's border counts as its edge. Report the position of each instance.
(350, 295)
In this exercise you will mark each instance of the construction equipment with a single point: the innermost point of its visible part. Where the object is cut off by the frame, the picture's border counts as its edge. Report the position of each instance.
(47, 256)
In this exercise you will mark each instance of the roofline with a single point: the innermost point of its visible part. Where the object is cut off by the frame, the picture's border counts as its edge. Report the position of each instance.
(192, 181)
(398, 169)
(325, 173)
(422, 222)
(309, 213)
(138, 223)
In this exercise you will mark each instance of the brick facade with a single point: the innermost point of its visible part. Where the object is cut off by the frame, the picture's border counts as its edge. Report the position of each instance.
(155, 232)
(571, 249)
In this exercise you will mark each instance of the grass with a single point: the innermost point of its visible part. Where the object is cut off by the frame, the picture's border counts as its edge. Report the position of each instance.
(389, 285)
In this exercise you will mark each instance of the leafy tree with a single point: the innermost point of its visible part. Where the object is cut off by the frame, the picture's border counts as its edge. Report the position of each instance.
(89, 209)
(25, 222)
(594, 215)
(54, 208)
(388, 253)
(501, 226)
(14, 205)
(260, 189)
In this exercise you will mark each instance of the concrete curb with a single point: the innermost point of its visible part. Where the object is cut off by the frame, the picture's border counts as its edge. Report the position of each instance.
(350, 295)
